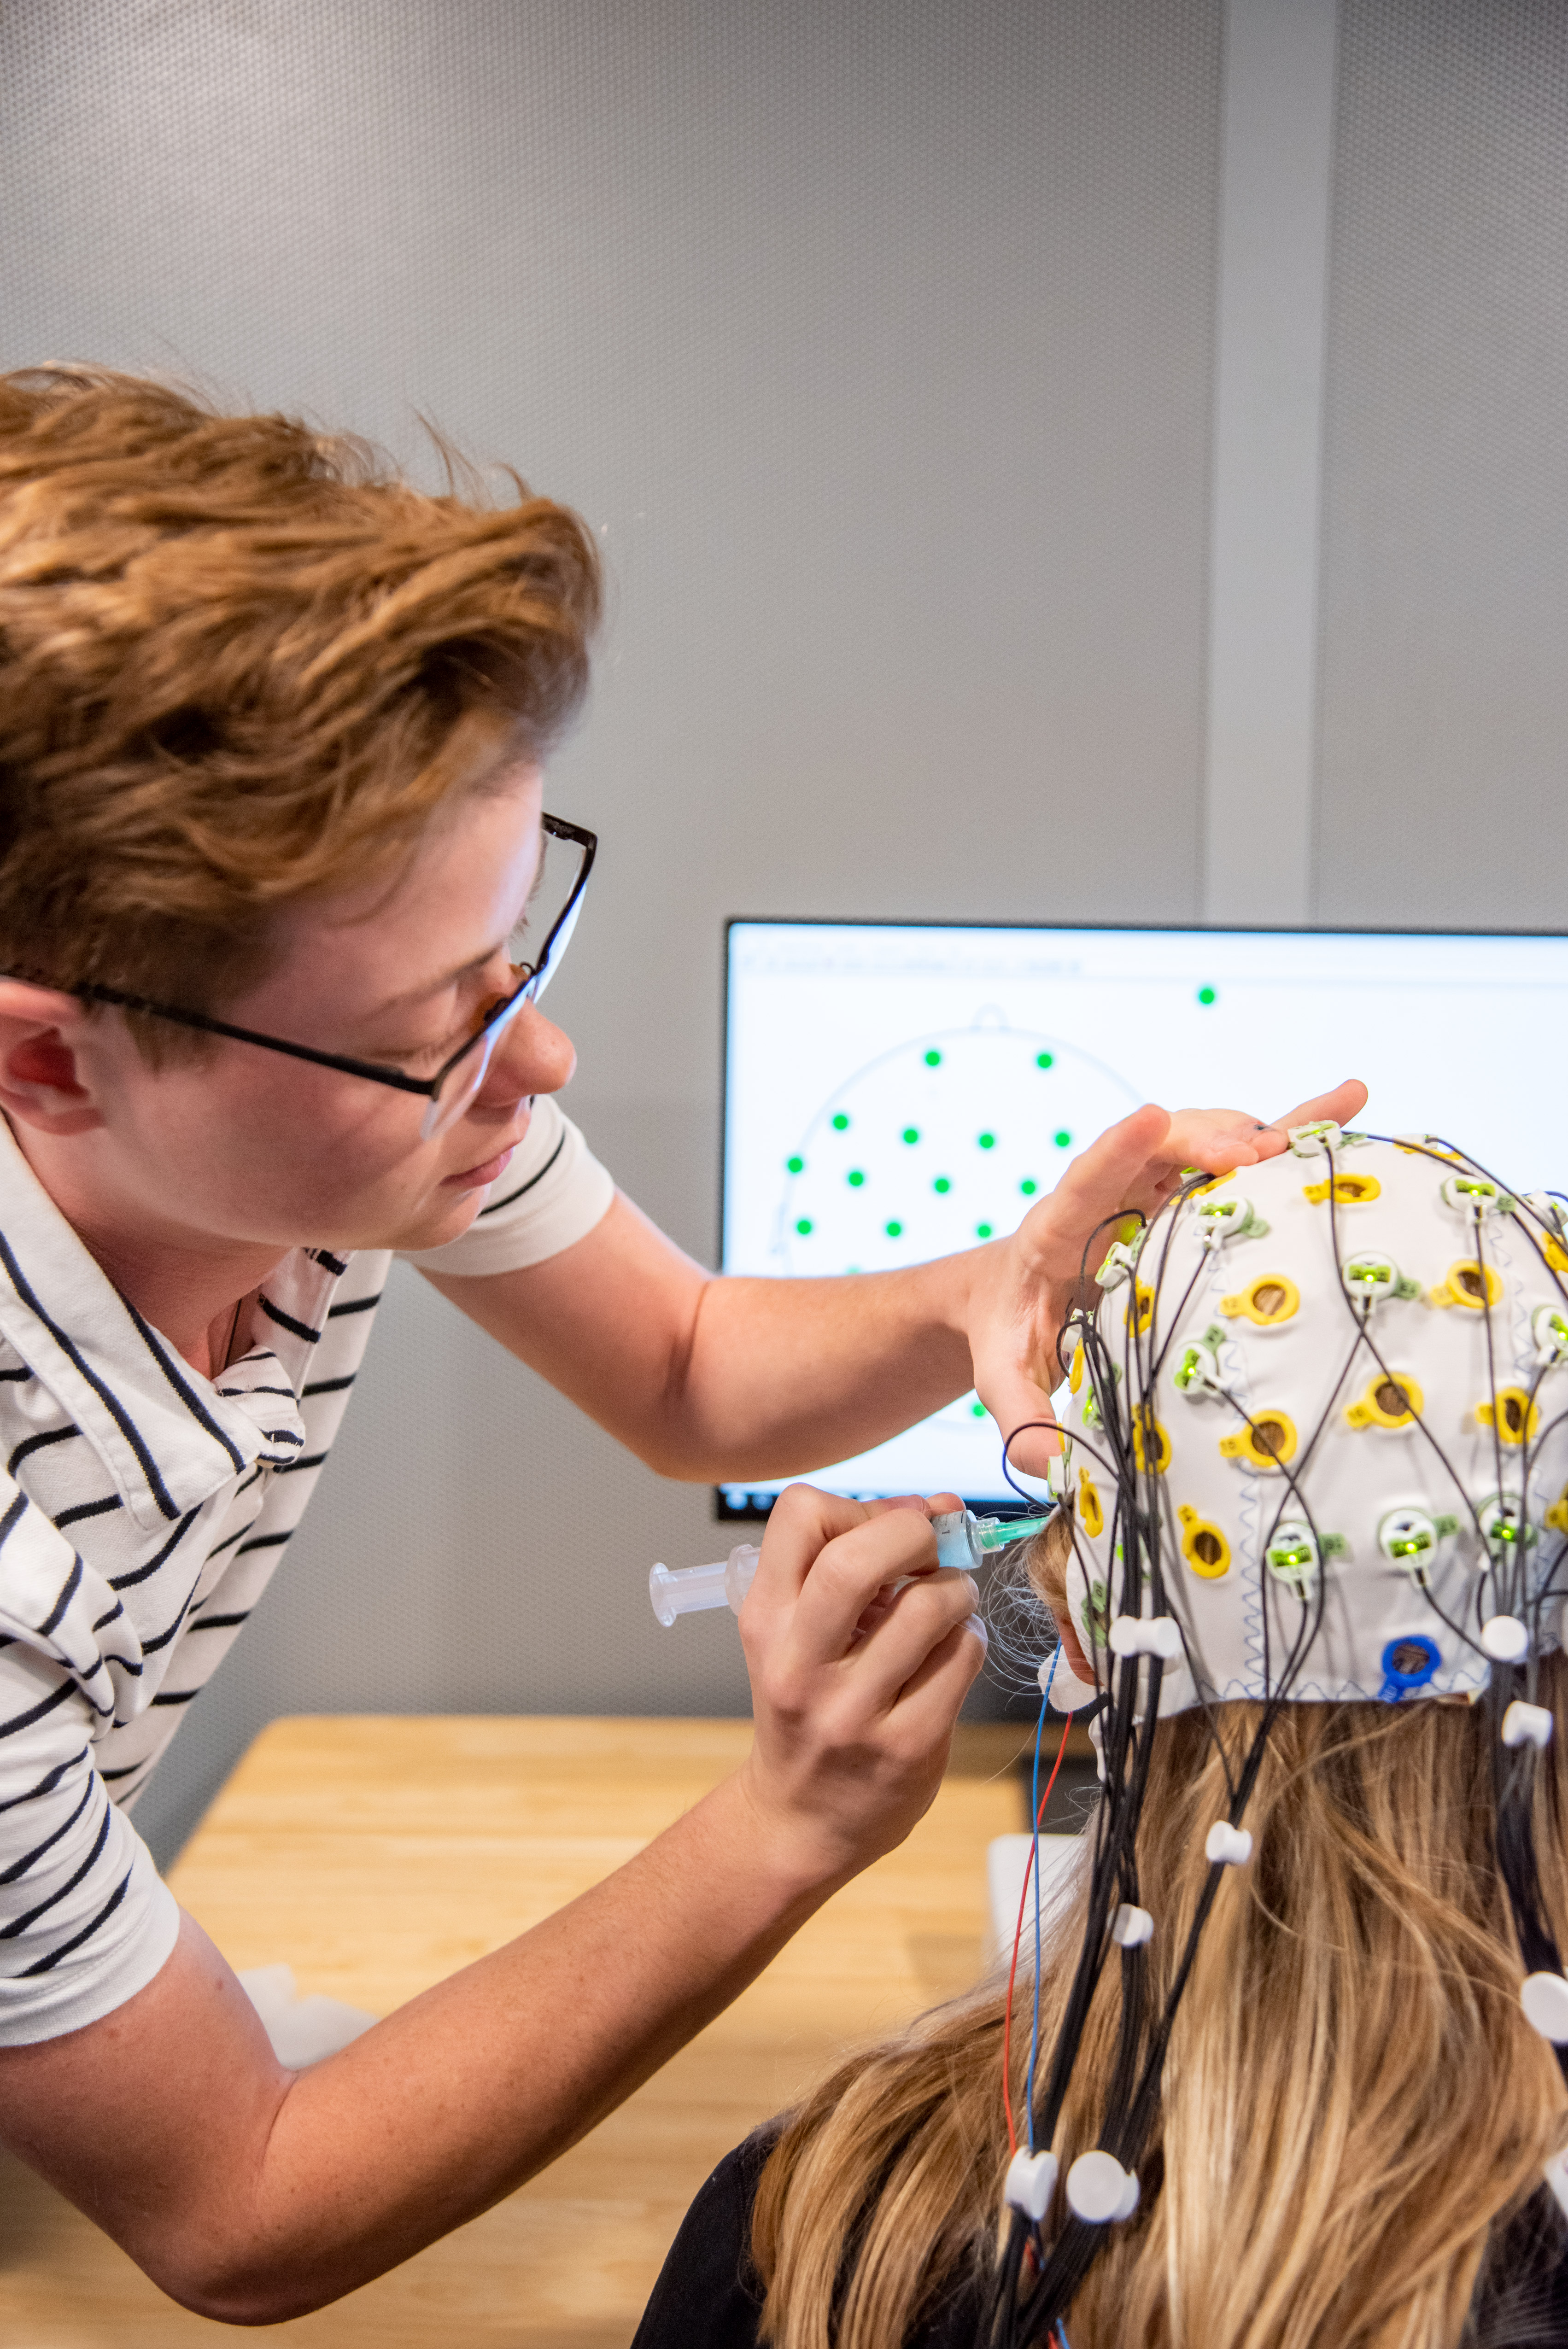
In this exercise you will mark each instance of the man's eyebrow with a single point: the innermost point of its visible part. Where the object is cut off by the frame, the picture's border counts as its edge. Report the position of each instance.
(427, 988)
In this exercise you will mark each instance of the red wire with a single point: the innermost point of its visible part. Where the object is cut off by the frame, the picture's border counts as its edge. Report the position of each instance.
(1017, 1938)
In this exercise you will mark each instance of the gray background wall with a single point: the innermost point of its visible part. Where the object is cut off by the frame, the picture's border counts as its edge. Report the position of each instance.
(877, 338)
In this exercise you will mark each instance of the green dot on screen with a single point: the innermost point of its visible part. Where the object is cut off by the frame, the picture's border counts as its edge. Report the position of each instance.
(978, 1410)
(803, 1225)
(982, 1231)
(986, 1141)
(856, 1176)
(911, 1134)
(796, 1165)
(1045, 1060)
(1029, 1187)
(1064, 1140)
(840, 1124)
(1206, 995)
(933, 1060)
(942, 1184)
(894, 1229)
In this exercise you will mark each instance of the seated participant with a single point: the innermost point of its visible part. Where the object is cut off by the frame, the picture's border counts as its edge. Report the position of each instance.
(1287, 2067)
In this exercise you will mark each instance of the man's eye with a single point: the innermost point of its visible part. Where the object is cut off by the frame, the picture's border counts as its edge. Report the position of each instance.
(419, 1060)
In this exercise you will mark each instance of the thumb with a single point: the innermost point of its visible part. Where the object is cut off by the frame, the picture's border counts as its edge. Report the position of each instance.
(1022, 1413)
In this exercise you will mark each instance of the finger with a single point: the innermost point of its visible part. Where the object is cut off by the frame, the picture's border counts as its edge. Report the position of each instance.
(803, 1521)
(1021, 1408)
(927, 1707)
(1345, 1101)
(1097, 1182)
(919, 1618)
(847, 1575)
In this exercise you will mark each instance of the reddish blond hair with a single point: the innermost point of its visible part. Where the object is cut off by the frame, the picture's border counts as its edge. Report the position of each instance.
(243, 663)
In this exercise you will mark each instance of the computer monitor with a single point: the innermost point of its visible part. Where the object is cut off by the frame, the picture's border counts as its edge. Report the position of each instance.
(896, 1091)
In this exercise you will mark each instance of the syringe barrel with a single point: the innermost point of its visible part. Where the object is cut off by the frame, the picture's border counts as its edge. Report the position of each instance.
(694, 1588)
(740, 1573)
(956, 1542)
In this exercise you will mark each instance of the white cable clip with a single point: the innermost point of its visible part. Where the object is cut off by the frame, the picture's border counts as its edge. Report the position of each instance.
(1549, 1326)
(1544, 1998)
(1098, 2189)
(1526, 1725)
(1145, 1635)
(1312, 1141)
(1505, 1639)
(1130, 1927)
(1031, 2182)
(1121, 1262)
(1228, 1846)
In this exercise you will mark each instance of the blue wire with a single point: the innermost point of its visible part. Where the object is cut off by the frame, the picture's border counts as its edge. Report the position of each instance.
(1034, 1829)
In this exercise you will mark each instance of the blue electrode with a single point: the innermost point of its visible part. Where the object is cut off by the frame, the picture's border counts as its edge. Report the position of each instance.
(963, 1540)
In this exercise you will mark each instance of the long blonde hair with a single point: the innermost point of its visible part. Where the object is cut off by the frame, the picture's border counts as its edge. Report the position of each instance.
(1353, 2099)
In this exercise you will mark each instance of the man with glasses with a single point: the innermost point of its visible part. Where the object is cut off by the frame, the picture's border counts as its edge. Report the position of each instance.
(277, 902)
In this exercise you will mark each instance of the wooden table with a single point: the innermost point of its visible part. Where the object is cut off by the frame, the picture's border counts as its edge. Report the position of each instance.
(374, 1855)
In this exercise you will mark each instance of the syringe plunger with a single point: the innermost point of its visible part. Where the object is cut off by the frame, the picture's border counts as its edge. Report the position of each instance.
(724, 1583)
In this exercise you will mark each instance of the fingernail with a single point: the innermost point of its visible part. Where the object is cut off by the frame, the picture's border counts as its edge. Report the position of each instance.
(977, 1625)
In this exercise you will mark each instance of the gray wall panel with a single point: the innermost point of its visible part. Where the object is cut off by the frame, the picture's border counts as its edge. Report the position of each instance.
(876, 339)
(1444, 721)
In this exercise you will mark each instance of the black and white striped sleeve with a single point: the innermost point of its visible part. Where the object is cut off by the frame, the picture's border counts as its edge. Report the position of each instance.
(85, 1920)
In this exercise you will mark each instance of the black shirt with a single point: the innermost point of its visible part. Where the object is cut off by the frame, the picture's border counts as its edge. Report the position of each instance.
(709, 2297)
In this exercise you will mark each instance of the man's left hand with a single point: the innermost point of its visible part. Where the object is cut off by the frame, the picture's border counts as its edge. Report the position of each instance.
(1023, 1287)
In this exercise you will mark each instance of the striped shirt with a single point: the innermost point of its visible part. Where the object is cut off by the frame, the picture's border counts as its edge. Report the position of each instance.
(143, 1510)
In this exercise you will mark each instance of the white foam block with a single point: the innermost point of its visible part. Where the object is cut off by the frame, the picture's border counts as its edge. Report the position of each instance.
(302, 2030)
(1006, 1859)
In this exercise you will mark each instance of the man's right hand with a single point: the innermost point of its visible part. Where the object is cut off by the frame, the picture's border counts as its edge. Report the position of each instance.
(855, 1683)
(253, 2194)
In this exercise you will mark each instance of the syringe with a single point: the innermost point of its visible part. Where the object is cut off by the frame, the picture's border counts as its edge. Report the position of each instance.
(963, 1540)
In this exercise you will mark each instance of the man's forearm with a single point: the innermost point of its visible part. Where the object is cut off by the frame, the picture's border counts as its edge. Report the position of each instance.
(785, 1375)
(292, 2193)
(727, 1379)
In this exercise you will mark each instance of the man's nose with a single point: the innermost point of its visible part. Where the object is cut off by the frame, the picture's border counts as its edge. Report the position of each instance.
(533, 1056)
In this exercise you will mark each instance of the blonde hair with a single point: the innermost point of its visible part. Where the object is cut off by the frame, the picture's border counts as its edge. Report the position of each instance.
(1353, 2099)
(243, 662)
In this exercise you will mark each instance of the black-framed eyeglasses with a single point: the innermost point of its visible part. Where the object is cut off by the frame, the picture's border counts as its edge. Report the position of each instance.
(566, 860)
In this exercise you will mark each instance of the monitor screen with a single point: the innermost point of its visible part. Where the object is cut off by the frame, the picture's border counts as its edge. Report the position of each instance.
(895, 1091)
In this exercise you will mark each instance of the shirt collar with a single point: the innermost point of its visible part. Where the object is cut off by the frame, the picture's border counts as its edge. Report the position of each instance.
(169, 1437)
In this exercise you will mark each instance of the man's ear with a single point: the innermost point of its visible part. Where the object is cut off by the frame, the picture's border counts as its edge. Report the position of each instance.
(40, 1077)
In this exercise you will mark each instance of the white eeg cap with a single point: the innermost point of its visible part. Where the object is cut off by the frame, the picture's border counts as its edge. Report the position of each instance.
(1399, 1516)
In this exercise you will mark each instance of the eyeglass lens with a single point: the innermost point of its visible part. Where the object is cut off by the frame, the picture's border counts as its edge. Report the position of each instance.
(542, 931)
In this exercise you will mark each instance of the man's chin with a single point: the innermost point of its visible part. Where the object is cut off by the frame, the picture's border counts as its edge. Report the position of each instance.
(434, 1224)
